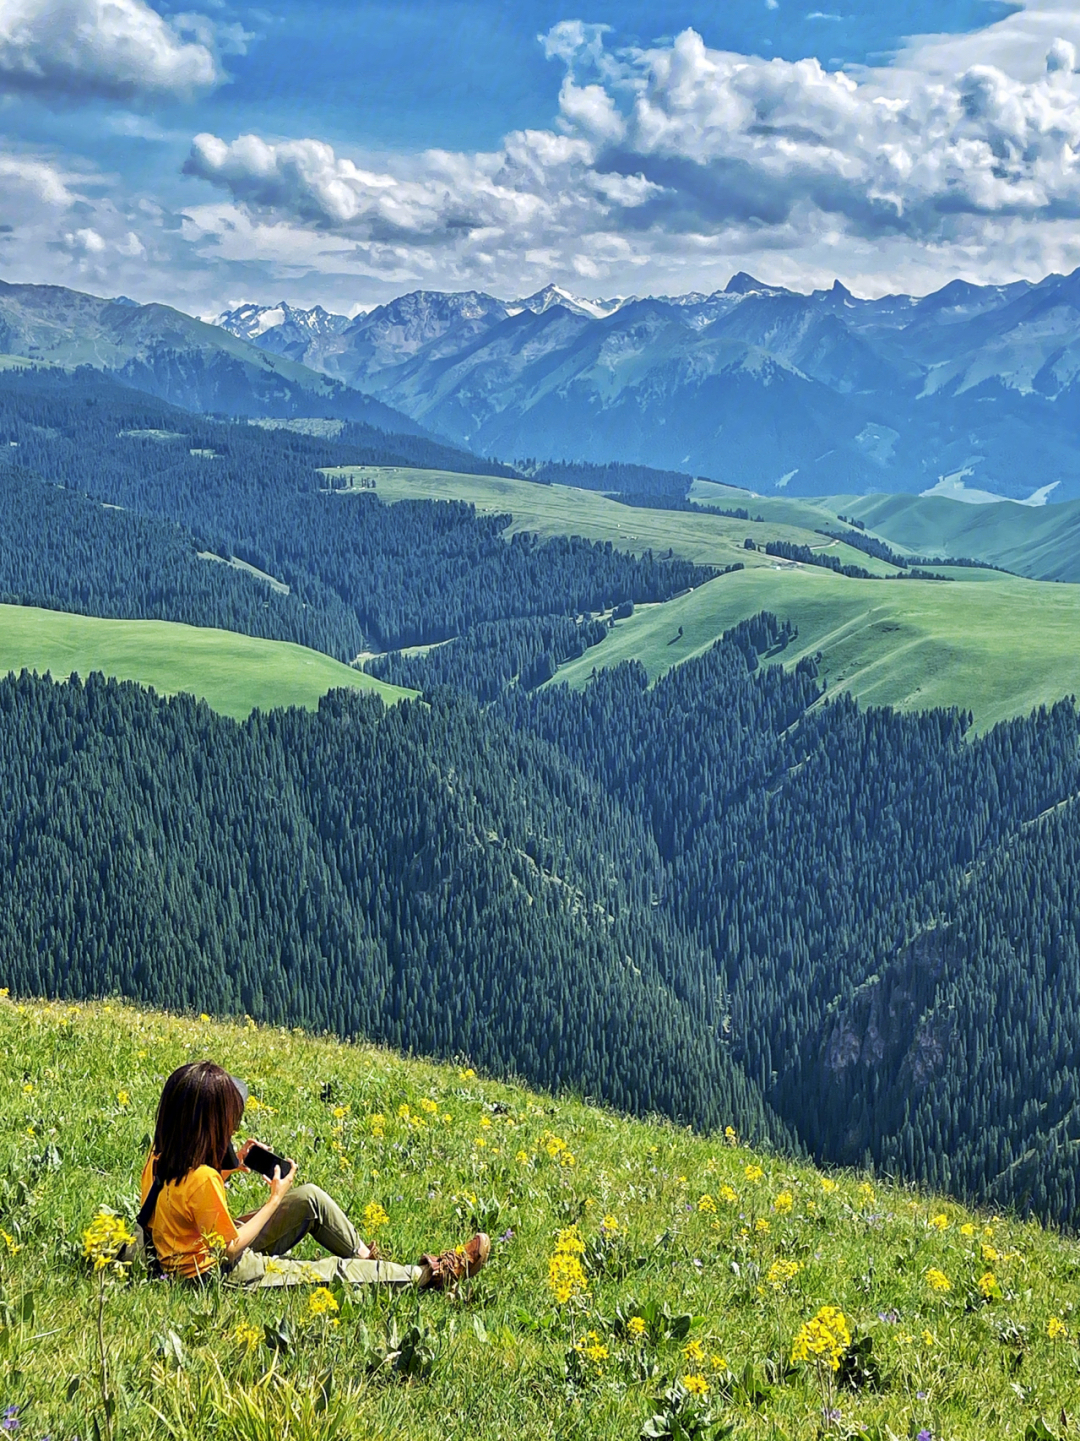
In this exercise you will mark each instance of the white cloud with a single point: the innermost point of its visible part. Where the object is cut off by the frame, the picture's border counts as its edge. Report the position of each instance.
(73, 49)
(33, 181)
(680, 159)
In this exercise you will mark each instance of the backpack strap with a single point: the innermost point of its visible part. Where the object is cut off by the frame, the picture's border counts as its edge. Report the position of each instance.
(146, 1213)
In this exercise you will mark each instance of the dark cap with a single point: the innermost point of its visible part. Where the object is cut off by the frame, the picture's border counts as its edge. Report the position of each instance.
(241, 1086)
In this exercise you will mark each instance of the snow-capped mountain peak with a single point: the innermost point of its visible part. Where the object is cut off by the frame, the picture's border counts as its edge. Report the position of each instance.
(552, 295)
(250, 321)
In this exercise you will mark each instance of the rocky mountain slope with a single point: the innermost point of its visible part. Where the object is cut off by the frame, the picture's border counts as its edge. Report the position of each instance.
(754, 385)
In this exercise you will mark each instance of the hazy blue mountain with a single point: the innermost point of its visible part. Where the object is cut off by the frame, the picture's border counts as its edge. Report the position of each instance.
(755, 384)
(175, 357)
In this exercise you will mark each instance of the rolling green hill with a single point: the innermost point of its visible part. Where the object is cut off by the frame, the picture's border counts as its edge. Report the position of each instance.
(996, 648)
(1042, 542)
(689, 1266)
(991, 643)
(563, 510)
(233, 673)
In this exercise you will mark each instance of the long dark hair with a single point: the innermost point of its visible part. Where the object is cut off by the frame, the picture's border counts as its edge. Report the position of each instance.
(199, 1110)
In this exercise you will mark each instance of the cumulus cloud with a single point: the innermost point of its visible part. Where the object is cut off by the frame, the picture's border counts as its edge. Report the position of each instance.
(118, 49)
(679, 155)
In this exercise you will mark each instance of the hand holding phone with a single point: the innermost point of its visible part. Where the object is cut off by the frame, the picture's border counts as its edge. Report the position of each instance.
(260, 1158)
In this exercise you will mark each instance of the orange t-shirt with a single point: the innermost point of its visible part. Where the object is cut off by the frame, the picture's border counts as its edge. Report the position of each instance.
(188, 1211)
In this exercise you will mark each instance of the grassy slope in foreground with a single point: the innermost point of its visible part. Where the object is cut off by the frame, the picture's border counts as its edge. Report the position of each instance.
(995, 648)
(233, 673)
(663, 1216)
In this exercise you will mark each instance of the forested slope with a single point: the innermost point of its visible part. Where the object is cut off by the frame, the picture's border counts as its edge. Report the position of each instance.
(360, 574)
(415, 874)
(807, 845)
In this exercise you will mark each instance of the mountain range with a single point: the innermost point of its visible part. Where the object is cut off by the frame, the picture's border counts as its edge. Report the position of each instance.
(755, 385)
(972, 389)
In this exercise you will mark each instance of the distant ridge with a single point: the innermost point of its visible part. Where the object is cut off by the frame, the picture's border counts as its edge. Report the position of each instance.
(756, 385)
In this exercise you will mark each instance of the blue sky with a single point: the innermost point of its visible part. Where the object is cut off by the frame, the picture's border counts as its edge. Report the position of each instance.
(346, 152)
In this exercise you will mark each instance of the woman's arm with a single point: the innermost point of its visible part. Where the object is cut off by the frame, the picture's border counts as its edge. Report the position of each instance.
(249, 1229)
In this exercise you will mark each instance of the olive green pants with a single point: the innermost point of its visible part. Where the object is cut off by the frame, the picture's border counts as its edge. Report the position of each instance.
(309, 1211)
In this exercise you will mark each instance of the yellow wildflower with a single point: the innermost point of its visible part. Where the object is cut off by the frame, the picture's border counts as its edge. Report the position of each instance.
(1056, 1328)
(762, 1225)
(940, 1222)
(374, 1216)
(781, 1272)
(828, 1185)
(929, 1339)
(428, 1105)
(728, 1194)
(123, 1100)
(707, 1204)
(565, 1277)
(247, 1335)
(967, 1229)
(322, 1302)
(468, 1074)
(989, 1254)
(10, 1244)
(754, 1173)
(696, 1385)
(824, 1339)
(569, 1242)
(103, 1238)
(937, 1280)
(635, 1328)
(866, 1193)
(592, 1348)
(730, 1136)
(783, 1203)
(988, 1286)
(693, 1351)
(522, 1158)
(610, 1225)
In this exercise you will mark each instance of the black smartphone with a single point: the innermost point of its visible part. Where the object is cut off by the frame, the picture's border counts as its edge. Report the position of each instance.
(260, 1158)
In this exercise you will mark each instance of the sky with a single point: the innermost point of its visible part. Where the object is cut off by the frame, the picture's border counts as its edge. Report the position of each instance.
(342, 152)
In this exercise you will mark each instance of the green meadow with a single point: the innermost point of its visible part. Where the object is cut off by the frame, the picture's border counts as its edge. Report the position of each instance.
(644, 1281)
(234, 674)
(995, 648)
(991, 643)
(563, 510)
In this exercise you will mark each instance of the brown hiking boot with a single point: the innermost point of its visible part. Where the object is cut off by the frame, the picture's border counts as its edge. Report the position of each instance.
(439, 1272)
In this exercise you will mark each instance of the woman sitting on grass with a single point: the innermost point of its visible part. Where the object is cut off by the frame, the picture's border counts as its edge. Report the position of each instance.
(193, 1231)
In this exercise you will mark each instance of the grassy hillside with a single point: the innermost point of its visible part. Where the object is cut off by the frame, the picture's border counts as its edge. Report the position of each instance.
(692, 1266)
(1037, 541)
(998, 649)
(233, 673)
(995, 644)
(563, 510)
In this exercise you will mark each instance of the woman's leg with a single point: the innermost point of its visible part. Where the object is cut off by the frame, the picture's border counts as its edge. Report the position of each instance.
(307, 1210)
(255, 1270)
